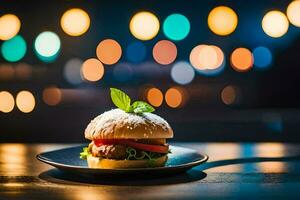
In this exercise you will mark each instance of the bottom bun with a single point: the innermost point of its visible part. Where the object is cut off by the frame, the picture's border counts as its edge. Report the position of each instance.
(95, 162)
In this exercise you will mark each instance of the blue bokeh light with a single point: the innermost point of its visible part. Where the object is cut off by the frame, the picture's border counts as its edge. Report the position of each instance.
(262, 57)
(136, 52)
(182, 73)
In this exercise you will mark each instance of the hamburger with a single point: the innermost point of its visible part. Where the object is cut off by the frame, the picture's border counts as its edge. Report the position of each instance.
(130, 136)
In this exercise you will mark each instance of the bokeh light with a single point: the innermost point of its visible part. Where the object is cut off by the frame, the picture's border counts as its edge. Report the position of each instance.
(195, 56)
(262, 57)
(9, 26)
(25, 101)
(241, 59)
(7, 102)
(75, 22)
(47, 46)
(220, 56)
(207, 59)
(136, 52)
(7, 72)
(228, 95)
(144, 25)
(109, 51)
(176, 27)
(293, 13)
(52, 96)
(174, 97)
(92, 70)
(14, 49)
(23, 71)
(164, 52)
(182, 73)
(222, 20)
(275, 24)
(72, 71)
(123, 72)
(273, 121)
(155, 97)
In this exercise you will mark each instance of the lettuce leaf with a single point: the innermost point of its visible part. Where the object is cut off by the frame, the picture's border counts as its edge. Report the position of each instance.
(133, 154)
(85, 152)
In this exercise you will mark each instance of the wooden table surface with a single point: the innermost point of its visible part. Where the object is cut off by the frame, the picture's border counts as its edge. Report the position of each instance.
(234, 171)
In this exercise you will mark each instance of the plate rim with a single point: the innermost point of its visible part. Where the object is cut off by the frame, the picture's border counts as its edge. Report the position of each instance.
(181, 166)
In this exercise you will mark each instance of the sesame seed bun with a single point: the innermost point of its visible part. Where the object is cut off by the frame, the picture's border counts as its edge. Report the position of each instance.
(117, 124)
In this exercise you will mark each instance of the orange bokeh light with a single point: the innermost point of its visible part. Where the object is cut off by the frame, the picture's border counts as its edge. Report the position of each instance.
(228, 95)
(23, 71)
(109, 51)
(7, 72)
(52, 96)
(164, 52)
(92, 70)
(241, 59)
(25, 101)
(174, 97)
(155, 97)
(7, 102)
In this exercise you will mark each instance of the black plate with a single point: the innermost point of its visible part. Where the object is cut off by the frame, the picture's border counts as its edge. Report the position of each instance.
(180, 160)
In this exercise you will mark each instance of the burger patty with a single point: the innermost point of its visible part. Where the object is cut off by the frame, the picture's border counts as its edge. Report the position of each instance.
(116, 151)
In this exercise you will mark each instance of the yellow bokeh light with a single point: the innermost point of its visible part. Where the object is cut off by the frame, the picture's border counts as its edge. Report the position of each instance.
(222, 20)
(25, 101)
(155, 97)
(109, 51)
(92, 70)
(241, 59)
(75, 22)
(7, 102)
(52, 96)
(293, 13)
(174, 97)
(206, 57)
(144, 25)
(275, 24)
(9, 26)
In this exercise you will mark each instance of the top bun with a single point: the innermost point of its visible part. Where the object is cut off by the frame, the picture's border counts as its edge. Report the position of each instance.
(117, 124)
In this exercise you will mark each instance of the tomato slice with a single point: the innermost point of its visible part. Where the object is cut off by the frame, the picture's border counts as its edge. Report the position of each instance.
(136, 145)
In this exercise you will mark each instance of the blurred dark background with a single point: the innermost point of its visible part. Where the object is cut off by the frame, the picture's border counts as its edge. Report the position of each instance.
(230, 101)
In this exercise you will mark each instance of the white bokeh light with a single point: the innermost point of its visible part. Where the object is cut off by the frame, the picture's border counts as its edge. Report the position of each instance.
(47, 44)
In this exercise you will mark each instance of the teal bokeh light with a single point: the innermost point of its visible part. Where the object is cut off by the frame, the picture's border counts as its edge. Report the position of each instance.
(14, 49)
(47, 46)
(176, 27)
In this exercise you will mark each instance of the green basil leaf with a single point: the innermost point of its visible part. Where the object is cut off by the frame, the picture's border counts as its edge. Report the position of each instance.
(120, 99)
(142, 107)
